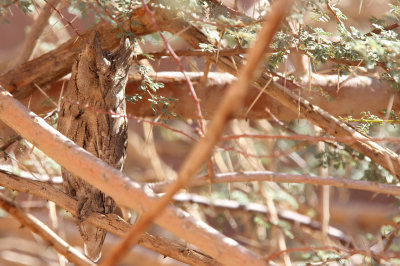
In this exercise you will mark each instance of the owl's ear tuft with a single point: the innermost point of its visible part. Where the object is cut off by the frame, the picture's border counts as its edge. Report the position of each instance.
(124, 53)
(93, 48)
(96, 54)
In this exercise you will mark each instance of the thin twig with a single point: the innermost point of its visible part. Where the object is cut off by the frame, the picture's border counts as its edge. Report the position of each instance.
(39, 228)
(257, 97)
(336, 249)
(300, 137)
(201, 152)
(45, 94)
(63, 18)
(198, 53)
(35, 32)
(287, 215)
(285, 178)
(180, 67)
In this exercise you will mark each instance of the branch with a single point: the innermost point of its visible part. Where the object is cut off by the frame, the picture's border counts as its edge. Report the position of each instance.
(287, 215)
(58, 62)
(180, 67)
(66, 21)
(110, 222)
(197, 53)
(363, 144)
(285, 178)
(351, 100)
(358, 94)
(118, 185)
(117, 226)
(35, 32)
(39, 228)
(381, 155)
(202, 150)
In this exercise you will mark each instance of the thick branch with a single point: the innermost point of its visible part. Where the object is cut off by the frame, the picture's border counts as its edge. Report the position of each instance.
(58, 62)
(117, 226)
(379, 154)
(111, 222)
(117, 185)
(357, 95)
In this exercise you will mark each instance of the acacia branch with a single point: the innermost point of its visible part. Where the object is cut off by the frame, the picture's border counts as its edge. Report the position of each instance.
(196, 52)
(202, 150)
(180, 67)
(109, 222)
(363, 144)
(35, 32)
(116, 184)
(39, 228)
(287, 215)
(285, 178)
(354, 97)
(381, 155)
(114, 224)
(57, 63)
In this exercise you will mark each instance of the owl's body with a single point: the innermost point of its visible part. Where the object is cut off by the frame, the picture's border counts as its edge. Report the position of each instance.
(92, 114)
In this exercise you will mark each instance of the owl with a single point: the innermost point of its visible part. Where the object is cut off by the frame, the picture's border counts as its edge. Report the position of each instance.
(92, 113)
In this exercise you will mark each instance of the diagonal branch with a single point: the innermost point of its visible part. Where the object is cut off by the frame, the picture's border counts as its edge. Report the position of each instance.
(35, 32)
(39, 228)
(118, 185)
(363, 144)
(57, 63)
(381, 155)
(201, 151)
(110, 222)
(117, 226)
